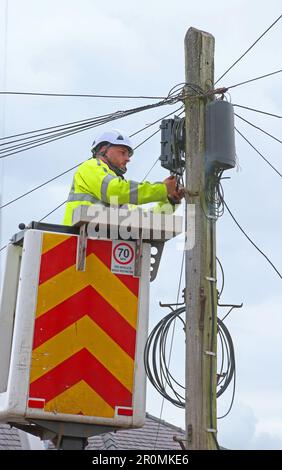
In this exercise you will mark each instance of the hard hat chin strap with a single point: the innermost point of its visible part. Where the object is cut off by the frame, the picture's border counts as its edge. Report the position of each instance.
(118, 171)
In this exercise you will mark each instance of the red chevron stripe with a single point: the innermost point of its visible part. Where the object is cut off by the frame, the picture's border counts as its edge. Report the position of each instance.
(81, 366)
(63, 256)
(86, 302)
(58, 259)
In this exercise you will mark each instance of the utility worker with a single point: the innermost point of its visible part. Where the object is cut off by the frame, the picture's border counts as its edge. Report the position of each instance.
(100, 178)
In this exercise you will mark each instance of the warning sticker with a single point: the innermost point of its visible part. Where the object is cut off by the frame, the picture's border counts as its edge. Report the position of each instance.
(123, 257)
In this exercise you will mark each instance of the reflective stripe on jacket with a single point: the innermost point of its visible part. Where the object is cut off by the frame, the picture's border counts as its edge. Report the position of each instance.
(95, 183)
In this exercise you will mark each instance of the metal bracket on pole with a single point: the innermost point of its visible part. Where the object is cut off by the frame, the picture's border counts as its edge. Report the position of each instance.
(81, 248)
(180, 441)
(210, 353)
(230, 305)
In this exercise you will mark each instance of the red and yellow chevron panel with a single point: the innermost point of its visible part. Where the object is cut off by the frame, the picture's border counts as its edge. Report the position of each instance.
(85, 332)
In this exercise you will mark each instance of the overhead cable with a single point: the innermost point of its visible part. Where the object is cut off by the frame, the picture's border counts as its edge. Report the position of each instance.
(258, 152)
(256, 110)
(252, 242)
(249, 48)
(66, 130)
(51, 212)
(253, 79)
(3, 248)
(39, 186)
(79, 95)
(72, 168)
(259, 128)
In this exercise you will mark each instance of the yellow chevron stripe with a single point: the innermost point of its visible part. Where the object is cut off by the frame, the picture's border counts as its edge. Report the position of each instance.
(69, 282)
(84, 333)
(80, 398)
(50, 240)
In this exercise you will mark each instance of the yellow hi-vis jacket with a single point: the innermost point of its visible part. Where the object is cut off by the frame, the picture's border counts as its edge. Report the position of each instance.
(95, 183)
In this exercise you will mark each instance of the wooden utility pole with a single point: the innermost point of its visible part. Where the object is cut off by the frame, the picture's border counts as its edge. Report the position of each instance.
(200, 289)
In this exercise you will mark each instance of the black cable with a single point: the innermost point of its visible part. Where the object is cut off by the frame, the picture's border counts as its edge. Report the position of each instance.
(39, 186)
(257, 40)
(214, 194)
(258, 152)
(232, 397)
(155, 358)
(43, 140)
(231, 356)
(228, 313)
(58, 130)
(143, 142)
(72, 168)
(51, 212)
(65, 134)
(81, 121)
(3, 248)
(259, 128)
(81, 95)
(251, 241)
(172, 338)
(69, 127)
(155, 122)
(103, 118)
(222, 275)
(148, 172)
(256, 110)
(253, 79)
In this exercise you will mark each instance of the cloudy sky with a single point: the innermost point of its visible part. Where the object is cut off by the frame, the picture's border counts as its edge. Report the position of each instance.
(136, 48)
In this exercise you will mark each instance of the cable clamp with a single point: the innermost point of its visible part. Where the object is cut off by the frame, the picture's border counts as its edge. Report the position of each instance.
(210, 353)
(211, 279)
(212, 430)
(212, 217)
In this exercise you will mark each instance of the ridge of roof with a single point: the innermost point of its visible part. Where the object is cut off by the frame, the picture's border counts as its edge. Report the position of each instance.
(165, 423)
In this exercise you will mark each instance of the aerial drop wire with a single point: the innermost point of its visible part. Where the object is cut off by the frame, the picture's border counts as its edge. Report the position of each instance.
(72, 168)
(78, 95)
(251, 241)
(253, 79)
(252, 45)
(95, 122)
(259, 128)
(256, 110)
(258, 152)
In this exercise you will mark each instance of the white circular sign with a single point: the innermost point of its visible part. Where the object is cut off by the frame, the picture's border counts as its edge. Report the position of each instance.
(123, 253)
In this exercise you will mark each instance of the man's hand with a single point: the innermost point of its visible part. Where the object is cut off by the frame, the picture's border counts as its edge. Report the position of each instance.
(170, 183)
(174, 195)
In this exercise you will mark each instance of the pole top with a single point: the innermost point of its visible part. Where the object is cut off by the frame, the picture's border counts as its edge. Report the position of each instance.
(192, 33)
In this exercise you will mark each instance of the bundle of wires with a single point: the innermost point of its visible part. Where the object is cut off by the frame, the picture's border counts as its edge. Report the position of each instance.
(157, 363)
(214, 193)
(28, 140)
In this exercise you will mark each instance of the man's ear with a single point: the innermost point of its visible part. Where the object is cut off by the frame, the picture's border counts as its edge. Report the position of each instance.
(103, 150)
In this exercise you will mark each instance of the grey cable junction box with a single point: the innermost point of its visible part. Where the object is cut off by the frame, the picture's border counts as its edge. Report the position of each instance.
(219, 136)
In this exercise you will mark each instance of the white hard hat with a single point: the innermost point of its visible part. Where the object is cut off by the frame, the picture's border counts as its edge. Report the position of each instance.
(113, 137)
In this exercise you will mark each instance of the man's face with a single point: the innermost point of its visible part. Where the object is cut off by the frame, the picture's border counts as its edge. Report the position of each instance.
(118, 155)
